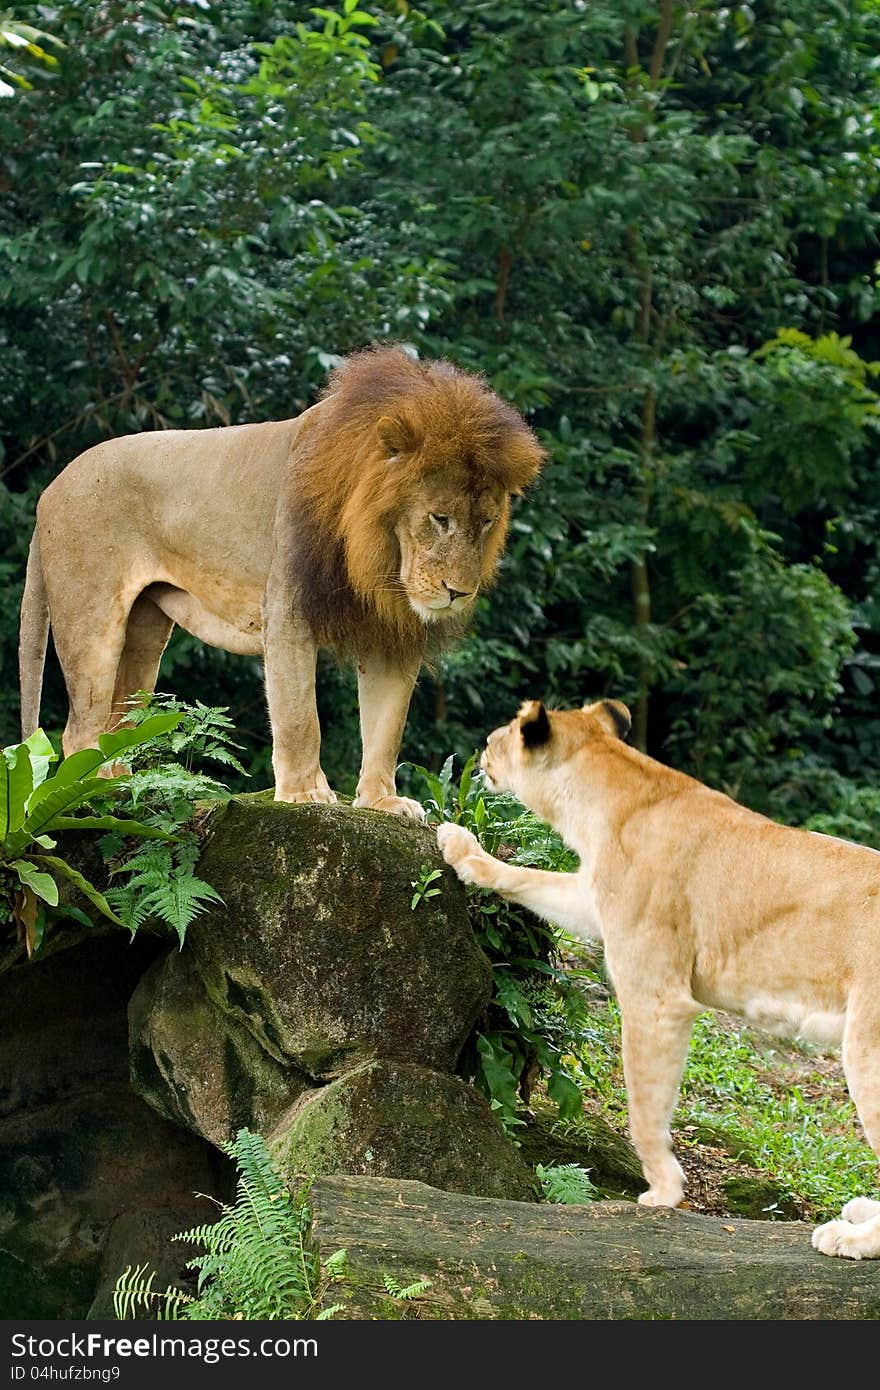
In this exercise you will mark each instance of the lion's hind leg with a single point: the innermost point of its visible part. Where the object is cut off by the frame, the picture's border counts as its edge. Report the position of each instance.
(89, 641)
(146, 637)
(856, 1236)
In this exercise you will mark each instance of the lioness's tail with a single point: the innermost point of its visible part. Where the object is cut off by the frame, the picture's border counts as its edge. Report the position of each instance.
(33, 636)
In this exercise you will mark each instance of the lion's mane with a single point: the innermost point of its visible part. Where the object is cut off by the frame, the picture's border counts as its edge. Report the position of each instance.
(345, 493)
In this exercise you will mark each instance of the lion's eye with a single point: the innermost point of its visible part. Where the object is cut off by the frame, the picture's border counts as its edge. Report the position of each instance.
(488, 523)
(441, 522)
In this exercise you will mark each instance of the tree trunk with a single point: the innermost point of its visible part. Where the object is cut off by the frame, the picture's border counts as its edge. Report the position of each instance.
(493, 1259)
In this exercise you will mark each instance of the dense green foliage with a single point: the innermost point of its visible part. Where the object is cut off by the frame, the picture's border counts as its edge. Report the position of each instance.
(34, 807)
(653, 227)
(537, 1021)
(165, 792)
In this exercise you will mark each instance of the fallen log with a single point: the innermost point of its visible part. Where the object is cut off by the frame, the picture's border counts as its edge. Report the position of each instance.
(493, 1259)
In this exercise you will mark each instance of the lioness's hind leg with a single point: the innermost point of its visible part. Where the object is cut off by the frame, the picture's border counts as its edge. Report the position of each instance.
(857, 1235)
(146, 637)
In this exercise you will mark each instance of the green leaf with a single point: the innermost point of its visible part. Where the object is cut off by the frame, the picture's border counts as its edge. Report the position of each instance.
(123, 827)
(499, 1073)
(42, 884)
(41, 754)
(87, 889)
(564, 1093)
(16, 782)
(119, 740)
(65, 798)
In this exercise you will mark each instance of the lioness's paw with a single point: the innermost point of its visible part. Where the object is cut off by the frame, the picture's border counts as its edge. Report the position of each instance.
(853, 1242)
(394, 806)
(860, 1209)
(669, 1196)
(323, 795)
(456, 843)
(835, 1238)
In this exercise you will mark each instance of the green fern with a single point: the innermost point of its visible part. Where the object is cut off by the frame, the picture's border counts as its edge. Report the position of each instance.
(134, 1296)
(405, 1293)
(163, 794)
(566, 1183)
(260, 1259)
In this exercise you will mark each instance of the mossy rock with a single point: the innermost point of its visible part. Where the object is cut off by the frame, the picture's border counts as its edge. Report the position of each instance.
(198, 1066)
(759, 1197)
(588, 1141)
(396, 1120)
(316, 949)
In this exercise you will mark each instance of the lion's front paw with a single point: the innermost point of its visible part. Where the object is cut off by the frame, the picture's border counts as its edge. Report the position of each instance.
(456, 843)
(393, 806)
(323, 795)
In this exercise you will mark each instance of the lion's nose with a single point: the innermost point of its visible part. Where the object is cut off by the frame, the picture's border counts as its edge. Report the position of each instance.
(456, 593)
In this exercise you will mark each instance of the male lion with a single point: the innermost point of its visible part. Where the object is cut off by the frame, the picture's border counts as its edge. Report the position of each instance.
(377, 513)
(700, 904)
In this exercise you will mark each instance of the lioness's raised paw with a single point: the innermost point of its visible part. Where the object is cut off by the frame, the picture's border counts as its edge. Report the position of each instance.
(464, 852)
(859, 1241)
(456, 843)
(393, 806)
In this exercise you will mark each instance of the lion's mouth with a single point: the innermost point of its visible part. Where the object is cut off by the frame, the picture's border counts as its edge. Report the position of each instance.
(436, 610)
(488, 779)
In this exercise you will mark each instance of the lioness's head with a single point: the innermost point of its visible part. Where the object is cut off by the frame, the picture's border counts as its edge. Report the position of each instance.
(539, 740)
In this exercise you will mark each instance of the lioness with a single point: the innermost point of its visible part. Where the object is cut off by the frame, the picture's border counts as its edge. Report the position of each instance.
(700, 904)
(375, 515)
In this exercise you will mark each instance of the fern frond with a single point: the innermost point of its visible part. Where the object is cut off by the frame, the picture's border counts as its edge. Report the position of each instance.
(404, 1293)
(566, 1183)
(134, 1296)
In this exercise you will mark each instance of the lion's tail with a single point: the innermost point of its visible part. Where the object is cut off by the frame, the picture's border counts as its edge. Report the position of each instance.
(33, 639)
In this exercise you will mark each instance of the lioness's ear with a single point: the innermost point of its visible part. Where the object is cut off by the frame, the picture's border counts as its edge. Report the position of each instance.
(534, 724)
(615, 716)
(398, 435)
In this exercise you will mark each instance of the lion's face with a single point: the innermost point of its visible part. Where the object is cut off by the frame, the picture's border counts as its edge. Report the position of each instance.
(449, 541)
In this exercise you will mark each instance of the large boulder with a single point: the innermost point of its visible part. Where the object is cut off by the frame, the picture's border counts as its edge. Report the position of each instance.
(316, 950)
(198, 1066)
(396, 1120)
(317, 1001)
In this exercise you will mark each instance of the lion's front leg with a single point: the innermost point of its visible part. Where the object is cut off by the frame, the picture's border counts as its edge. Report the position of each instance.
(290, 656)
(384, 694)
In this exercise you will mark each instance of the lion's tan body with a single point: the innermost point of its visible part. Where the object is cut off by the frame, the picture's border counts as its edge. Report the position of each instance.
(275, 539)
(700, 903)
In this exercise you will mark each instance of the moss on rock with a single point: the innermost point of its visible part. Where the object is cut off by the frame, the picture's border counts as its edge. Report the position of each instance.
(198, 1066)
(588, 1141)
(316, 950)
(396, 1120)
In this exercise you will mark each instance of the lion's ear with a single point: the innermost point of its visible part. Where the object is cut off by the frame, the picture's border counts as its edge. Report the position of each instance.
(534, 724)
(397, 434)
(614, 715)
